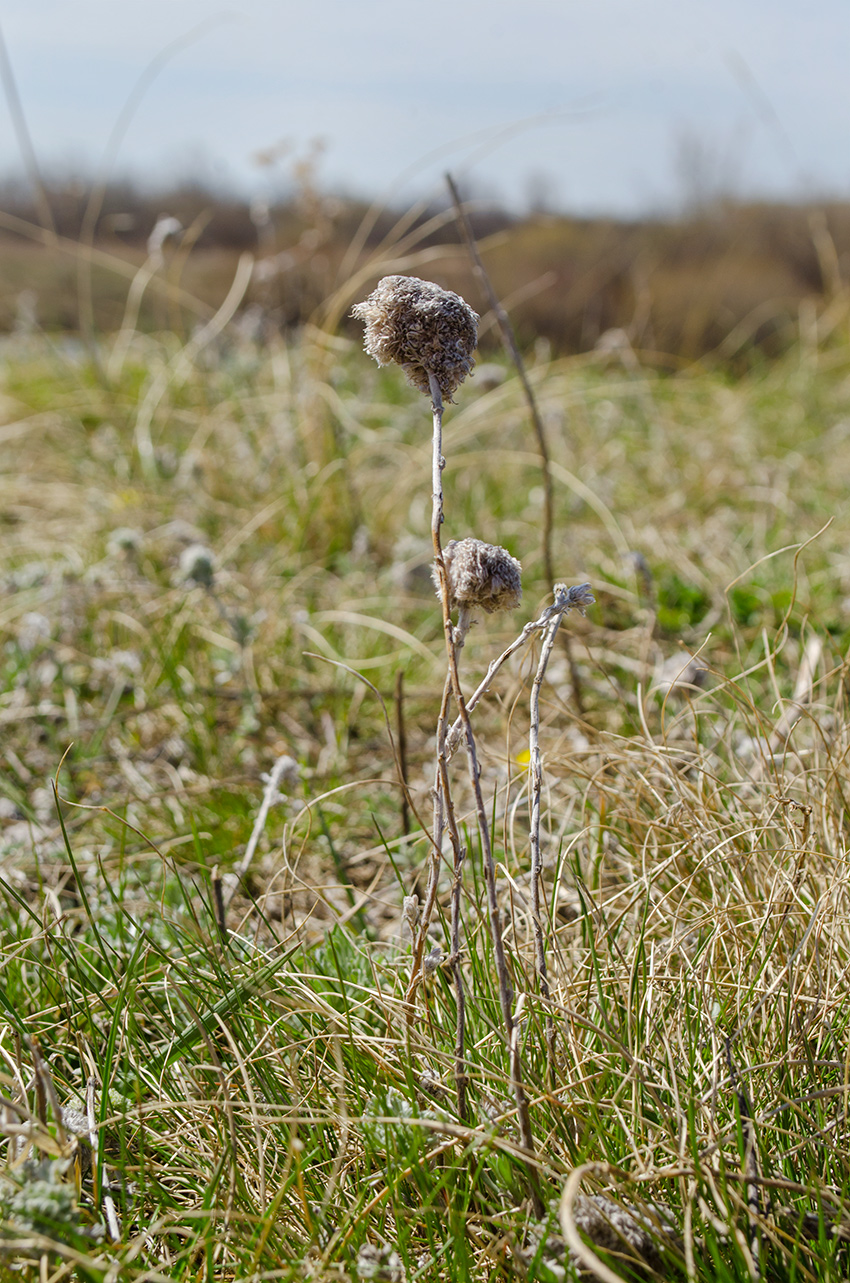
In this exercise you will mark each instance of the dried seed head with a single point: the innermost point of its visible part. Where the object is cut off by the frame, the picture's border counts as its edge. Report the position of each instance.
(635, 1235)
(197, 565)
(433, 959)
(421, 327)
(410, 911)
(481, 574)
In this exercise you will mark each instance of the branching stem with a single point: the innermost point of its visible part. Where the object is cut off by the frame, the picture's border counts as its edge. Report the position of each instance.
(505, 991)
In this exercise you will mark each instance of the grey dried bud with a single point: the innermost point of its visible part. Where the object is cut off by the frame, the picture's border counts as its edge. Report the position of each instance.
(423, 328)
(197, 565)
(432, 960)
(579, 597)
(481, 574)
(634, 1235)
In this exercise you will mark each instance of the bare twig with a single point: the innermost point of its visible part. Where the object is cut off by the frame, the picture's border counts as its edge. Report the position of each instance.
(436, 855)
(401, 737)
(218, 904)
(97, 1170)
(562, 604)
(579, 597)
(444, 813)
(505, 990)
(282, 766)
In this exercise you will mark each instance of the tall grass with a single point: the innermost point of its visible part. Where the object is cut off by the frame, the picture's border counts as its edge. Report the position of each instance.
(263, 1107)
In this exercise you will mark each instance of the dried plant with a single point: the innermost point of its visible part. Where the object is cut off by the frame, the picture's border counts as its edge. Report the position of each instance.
(481, 574)
(426, 330)
(432, 335)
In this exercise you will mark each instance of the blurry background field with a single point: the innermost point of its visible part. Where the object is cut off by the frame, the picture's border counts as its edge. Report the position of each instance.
(724, 281)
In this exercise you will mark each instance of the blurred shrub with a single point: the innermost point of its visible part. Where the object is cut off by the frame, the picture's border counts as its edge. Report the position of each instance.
(727, 281)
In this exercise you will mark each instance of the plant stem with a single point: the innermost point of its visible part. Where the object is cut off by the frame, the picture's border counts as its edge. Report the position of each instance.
(442, 788)
(505, 991)
(438, 829)
(535, 771)
(401, 737)
(577, 598)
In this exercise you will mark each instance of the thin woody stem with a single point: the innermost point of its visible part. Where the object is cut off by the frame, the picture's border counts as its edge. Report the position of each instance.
(444, 813)
(577, 598)
(438, 828)
(505, 991)
(535, 770)
(440, 799)
(442, 787)
(463, 625)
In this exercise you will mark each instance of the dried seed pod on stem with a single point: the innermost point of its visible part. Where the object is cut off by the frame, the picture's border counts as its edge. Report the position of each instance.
(505, 990)
(432, 334)
(428, 331)
(481, 574)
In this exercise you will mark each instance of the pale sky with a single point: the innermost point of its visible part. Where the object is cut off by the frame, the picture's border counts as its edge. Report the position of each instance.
(594, 104)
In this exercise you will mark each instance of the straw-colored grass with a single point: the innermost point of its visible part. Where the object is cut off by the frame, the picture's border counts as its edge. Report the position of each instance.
(263, 1107)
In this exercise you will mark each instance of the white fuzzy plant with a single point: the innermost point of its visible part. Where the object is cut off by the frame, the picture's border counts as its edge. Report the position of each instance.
(432, 334)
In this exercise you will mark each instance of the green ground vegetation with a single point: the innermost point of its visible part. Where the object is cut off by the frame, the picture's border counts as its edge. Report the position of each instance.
(214, 564)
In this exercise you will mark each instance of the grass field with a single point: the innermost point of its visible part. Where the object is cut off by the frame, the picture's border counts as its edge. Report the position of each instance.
(213, 570)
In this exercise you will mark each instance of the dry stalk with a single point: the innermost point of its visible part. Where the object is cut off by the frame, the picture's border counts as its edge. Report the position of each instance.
(431, 333)
(505, 990)
(285, 765)
(100, 1181)
(401, 736)
(562, 605)
(579, 597)
(443, 803)
(438, 828)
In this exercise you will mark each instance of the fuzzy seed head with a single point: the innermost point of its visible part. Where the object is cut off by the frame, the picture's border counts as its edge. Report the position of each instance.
(481, 574)
(421, 327)
(197, 565)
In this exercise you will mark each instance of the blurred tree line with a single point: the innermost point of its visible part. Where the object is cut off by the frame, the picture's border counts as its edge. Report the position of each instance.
(722, 280)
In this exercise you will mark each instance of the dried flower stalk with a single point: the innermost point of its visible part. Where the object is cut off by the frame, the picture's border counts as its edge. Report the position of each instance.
(432, 334)
(474, 769)
(579, 598)
(442, 791)
(563, 603)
